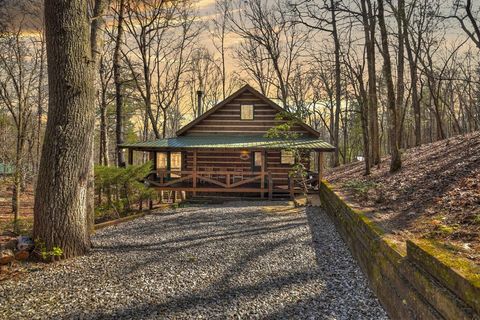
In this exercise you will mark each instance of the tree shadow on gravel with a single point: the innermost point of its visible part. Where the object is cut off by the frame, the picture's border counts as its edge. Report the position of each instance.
(217, 294)
(338, 274)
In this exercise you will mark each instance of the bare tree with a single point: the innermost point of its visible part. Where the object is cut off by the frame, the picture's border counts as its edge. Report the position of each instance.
(155, 68)
(324, 18)
(219, 34)
(269, 27)
(119, 131)
(396, 161)
(253, 60)
(19, 59)
(467, 17)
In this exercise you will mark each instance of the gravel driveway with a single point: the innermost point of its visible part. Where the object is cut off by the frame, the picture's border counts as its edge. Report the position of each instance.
(236, 260)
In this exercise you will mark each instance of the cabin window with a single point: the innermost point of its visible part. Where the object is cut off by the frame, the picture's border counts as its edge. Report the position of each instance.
(286, 157)
(257, 160)
(162, 160)
(246, 112)
(175, 162)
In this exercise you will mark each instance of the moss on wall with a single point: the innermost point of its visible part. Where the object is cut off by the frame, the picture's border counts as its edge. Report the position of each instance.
(406, 289)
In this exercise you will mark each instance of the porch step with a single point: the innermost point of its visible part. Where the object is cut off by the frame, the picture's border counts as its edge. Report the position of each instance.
(205, 200)
(281, 195)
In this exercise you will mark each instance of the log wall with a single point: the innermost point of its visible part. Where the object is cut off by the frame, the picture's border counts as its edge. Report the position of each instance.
(227, 121)
(226, 160)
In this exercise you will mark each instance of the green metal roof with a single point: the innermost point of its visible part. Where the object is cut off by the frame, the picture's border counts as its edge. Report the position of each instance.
(237, 142)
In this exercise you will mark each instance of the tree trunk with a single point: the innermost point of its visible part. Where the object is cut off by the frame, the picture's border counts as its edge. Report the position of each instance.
(61, 205)
(400, 69)
(396, 162)
(118, 86)
(412, 62)
(95, 44)
(338, 86)
(40, 104)
(164, 124)
(103, 156)
(17, 176)
(369, 32)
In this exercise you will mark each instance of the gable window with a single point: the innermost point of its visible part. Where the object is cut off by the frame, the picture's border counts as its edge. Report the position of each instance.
(246, 112)
(286, 157)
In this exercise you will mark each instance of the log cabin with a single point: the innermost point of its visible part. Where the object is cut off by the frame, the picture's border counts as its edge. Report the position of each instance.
(226, 150)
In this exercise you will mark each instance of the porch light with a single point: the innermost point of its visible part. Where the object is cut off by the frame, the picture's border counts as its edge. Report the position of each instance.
(244, 155)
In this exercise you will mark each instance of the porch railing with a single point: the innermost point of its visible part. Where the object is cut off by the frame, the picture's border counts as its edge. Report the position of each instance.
(212, 181)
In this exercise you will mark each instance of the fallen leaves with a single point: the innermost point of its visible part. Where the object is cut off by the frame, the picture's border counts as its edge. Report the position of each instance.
(436, 193)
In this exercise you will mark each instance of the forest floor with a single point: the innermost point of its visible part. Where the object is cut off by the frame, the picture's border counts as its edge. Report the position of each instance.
(436, 195)
(26, 207)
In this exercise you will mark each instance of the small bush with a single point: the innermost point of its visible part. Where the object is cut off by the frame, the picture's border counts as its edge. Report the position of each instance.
(119, 188)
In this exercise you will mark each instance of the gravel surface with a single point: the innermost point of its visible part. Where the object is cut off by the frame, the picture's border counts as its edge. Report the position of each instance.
(236, 260)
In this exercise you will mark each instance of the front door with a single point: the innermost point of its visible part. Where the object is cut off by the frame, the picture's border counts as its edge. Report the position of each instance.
(257, 161)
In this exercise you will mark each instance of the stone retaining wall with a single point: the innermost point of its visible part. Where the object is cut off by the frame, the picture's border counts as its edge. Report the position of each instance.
(425, 283)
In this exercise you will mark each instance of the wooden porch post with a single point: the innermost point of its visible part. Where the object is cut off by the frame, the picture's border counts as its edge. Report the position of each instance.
(270, 186)
(194, 173)
(291, 186)
(154, 161)
(130, 157)
(262, 178)
(320, 168)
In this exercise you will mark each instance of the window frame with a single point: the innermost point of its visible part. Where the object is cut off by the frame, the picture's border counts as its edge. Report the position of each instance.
(158, 154)
(282, 154)
(241, 112)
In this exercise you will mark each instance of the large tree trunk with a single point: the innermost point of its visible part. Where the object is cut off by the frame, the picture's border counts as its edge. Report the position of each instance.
(396, 162)
(118, 86)
(61, 205)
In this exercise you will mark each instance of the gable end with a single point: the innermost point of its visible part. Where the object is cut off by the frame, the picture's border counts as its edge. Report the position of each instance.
(225, 117)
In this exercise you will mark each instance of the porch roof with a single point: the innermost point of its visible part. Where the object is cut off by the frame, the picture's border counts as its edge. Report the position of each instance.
(231, 142)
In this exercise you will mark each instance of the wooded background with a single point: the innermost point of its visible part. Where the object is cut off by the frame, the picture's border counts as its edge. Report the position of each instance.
(373, 76)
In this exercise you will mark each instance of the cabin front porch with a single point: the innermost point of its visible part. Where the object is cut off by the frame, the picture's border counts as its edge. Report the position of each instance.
(214, 179)
(214, 165)
(197, 182)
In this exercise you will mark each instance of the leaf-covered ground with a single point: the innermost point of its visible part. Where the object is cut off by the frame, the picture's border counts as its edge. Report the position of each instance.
(26, 207)
(436, 195)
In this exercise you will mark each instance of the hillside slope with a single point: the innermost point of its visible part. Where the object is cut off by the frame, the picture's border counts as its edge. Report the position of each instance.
(436, 195)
